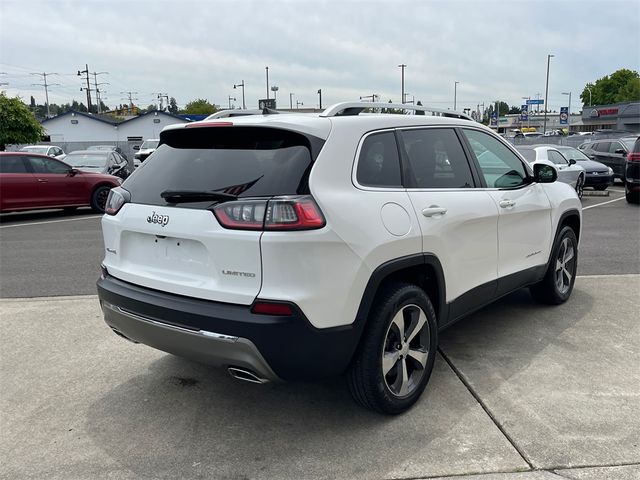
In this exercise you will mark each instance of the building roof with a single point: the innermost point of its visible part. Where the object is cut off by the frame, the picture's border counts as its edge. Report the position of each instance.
(115, 121)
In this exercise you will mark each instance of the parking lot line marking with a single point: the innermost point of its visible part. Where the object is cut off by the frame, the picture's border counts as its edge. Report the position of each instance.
(49, 221)
(603, 203)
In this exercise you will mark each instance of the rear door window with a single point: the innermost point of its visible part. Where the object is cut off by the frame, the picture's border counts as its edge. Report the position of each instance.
(615, 146)
(48, 165)
(437, 158)
(12, 164)
(602, 146)
(556, 157)
(242, 161)
(379, 162)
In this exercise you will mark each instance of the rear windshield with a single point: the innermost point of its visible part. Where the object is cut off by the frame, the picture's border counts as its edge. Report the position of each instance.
(573, 154)
(243, 161)
(86, 160)
(528, 153)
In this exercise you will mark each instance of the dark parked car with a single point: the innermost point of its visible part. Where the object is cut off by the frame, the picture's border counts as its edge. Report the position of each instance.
(632, 174)
(29, 181)
(598, 175)
(612, 152)
(99, 161)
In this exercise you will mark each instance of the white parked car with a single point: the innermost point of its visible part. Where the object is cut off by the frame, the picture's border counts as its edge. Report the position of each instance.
(301, 246)
(568, 170)
(50, 150)
(147, 148)
(532, 134)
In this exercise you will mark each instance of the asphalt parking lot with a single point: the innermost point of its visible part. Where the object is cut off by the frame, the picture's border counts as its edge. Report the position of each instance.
(519, 391)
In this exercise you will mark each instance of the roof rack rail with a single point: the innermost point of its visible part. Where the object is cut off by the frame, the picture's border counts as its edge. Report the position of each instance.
(355, 108)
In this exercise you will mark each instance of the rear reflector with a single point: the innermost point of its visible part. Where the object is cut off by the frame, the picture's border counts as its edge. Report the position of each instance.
(271, 308)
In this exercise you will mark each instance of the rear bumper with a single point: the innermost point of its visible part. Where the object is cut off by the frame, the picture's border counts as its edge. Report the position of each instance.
(226, 335)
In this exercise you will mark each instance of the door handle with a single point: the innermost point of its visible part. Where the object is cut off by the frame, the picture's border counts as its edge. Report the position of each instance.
(433, 210)
(43, 180)
(507, 203)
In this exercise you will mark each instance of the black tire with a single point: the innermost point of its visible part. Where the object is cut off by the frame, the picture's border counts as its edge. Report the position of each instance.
(632, 197)
(556, 286)
(369, 385)
(99, 198)
(600, 187)
(580, 186)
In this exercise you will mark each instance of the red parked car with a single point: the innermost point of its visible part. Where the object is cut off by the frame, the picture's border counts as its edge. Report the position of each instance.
(29, 181)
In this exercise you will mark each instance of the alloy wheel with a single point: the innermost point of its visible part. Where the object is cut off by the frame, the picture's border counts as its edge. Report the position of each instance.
(406, 350)
(565, 266)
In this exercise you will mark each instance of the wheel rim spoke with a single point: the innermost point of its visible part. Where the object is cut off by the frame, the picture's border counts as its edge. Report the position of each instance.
(389, 360)
(398, 322)
(419, 356)
(403, 377)
(417, 322)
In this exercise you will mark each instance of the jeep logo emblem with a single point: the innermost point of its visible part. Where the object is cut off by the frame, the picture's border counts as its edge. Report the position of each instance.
(159, 219)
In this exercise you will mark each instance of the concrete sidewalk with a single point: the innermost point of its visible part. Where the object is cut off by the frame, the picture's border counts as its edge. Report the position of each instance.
(520, 391)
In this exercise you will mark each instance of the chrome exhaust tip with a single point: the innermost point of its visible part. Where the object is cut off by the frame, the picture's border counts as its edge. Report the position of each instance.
(246, 375)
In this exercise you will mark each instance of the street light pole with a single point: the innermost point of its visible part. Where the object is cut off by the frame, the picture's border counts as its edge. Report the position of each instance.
(244, 106)
(267, 70)
(589, 95)
(291, 101)
(320, 95)
(546, 96)
(568, 111)
(274, 89)
(455, 95)
(402, 67)
(231, 98)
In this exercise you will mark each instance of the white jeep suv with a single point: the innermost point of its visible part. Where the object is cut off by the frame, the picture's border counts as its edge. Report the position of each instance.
(295, 247)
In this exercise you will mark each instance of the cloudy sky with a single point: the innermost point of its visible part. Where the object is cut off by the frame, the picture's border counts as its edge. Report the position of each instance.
(199, 49)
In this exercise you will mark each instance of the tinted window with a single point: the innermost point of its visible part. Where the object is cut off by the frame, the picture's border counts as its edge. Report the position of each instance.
(500, 167)
(601, 146)
(379, 164)
(437, 158)
(556, 157)
(48, 165)
(573, 154)
(615, 146)
(12, 164)
(243, 161)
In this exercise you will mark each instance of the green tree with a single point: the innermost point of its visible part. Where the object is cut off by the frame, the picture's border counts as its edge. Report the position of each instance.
(621, 86)
(514, 109)
(17, 123)
(151, 107)
(173, 106)
(199, 106)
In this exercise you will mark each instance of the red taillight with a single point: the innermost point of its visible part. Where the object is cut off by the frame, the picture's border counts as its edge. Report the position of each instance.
(271, 308)
(276, 214)
(633, 157)
(208, 124)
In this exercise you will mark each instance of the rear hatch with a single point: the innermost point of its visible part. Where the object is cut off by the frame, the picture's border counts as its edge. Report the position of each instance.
(173, 241)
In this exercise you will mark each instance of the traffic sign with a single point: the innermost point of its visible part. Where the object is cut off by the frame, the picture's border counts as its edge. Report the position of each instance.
(524, 113)
(564, 115)
(267, 103)
(535, 102)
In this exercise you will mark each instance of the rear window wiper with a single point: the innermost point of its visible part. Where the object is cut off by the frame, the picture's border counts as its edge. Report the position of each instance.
(182, 196)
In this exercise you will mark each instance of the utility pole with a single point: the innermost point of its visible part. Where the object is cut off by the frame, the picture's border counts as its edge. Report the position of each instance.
(291, 101)
(267, 70)
(546, 95)
(320, 95)
(95, 83)
(88, 89)
(244, 105)
(455, 95)
(46, 87)
(131, 99)
(402, 67)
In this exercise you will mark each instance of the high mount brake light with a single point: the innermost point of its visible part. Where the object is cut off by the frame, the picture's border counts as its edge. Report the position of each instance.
(208, 124)
(275, 214)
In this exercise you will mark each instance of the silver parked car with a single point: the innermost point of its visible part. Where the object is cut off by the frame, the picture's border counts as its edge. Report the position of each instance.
(568, 170)
(50, 150)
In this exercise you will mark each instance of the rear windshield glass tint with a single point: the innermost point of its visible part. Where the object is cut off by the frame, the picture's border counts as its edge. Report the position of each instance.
(243, 161)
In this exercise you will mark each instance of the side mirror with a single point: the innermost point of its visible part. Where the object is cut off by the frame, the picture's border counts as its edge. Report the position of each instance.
(572, 161)
(136, 147)
(544, 173)
(73, 172)
(620, 151)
